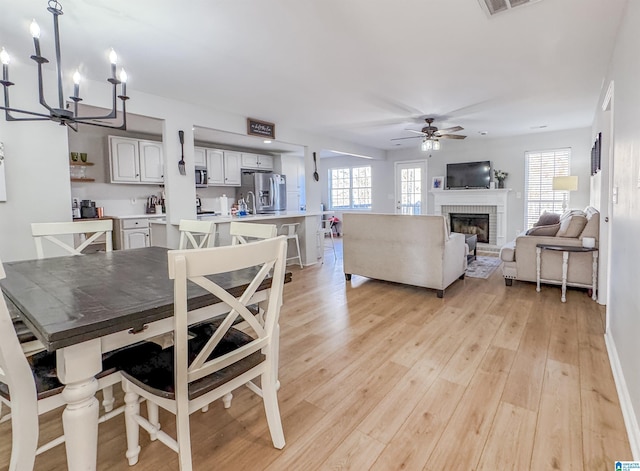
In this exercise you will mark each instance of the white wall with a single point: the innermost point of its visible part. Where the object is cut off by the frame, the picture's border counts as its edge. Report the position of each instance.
(37, 176)
(505, 154)
(624, 297)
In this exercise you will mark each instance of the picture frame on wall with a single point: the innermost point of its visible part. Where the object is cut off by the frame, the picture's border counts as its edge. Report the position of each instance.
(437, 183)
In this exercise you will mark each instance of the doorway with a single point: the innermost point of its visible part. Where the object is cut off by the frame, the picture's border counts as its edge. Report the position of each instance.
(410, 187)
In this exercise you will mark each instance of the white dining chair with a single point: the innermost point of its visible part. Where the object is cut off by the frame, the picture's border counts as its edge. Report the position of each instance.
(324, 230)
(52, 232)
(244, 232)
(29, 388)
(224, 358)
(290, 231)
(196, 234)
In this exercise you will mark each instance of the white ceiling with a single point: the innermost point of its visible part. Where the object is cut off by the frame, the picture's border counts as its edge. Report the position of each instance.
(358, 70)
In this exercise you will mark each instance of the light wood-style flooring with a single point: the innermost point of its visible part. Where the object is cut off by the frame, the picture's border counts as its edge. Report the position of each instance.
(384, 376)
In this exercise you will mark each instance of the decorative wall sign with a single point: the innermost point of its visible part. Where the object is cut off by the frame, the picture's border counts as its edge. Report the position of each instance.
(261, 128)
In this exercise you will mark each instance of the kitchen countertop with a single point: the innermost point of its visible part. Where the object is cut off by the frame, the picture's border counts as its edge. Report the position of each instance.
(259, 217)
(138, 216)
(161, 218)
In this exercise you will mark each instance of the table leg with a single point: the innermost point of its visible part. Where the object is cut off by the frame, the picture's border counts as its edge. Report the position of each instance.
(538, 250)
(565, 267)
(77, 366)
(595, 275)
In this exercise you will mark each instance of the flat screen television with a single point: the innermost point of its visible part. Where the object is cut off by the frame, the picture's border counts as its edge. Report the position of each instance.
(469, 175)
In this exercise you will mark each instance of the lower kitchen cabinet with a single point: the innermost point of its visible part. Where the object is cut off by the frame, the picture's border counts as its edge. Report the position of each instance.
(131, 233)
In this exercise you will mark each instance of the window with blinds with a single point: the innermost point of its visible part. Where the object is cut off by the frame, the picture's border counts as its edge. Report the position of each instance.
(541, 167)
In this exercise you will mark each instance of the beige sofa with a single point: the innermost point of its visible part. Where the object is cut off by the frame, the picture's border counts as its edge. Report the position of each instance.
(415, 250)
(519, 256)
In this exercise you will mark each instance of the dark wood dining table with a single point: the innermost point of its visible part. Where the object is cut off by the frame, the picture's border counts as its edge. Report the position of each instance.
(87, 305)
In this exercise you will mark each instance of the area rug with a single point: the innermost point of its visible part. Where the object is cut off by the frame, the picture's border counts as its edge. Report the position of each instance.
(482, 267)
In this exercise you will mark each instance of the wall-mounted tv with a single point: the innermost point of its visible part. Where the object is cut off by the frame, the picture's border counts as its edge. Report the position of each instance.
(468, 175)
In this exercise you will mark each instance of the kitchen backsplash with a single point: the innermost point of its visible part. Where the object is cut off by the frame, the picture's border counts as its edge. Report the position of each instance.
(127, 200)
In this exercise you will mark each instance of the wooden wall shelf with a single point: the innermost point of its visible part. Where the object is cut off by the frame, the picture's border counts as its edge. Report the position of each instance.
(80, 164)
(83, 179)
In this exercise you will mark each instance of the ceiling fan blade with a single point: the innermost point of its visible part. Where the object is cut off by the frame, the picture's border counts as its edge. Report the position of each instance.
(401, 138)
(453, 129)
(451, 136)
(417, 132)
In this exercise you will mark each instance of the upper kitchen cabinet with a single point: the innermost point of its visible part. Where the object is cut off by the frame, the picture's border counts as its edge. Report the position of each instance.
(257, 161)
(135, 161)
(223, 167)
(200, 156)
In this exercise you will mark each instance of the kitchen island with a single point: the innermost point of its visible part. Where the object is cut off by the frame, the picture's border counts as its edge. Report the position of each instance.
(307, 230)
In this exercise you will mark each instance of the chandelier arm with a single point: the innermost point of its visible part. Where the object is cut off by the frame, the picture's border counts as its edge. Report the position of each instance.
(15, 110)
(56, 35)
(43, 102)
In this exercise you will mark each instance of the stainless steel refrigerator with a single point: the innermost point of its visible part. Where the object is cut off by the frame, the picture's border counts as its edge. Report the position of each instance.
(270, 190)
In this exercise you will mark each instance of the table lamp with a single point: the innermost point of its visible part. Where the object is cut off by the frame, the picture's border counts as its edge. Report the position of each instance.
(565, 184)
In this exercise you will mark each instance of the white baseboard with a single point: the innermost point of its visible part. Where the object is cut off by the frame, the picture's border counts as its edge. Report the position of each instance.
(630, 418)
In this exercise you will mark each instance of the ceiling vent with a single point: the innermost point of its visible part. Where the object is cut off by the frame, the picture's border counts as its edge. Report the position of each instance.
(491, 7)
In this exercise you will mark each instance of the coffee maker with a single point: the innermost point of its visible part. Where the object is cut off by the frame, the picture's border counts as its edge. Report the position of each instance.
(88, 209)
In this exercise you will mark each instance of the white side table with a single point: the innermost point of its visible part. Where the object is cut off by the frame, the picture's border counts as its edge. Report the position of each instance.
(566, 250)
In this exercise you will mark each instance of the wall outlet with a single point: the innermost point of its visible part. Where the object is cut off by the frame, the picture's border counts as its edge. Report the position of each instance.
(518, 195)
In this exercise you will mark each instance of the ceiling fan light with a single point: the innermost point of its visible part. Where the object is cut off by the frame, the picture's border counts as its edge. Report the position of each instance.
(436, 145)
(424, 146)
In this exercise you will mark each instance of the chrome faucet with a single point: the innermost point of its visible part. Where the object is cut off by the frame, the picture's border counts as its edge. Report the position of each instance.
(254, 201)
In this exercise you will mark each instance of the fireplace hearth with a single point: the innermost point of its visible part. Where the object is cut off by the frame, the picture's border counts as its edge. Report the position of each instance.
(477, 224)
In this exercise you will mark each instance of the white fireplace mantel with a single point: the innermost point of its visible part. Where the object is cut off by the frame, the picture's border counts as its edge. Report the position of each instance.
(482, 197)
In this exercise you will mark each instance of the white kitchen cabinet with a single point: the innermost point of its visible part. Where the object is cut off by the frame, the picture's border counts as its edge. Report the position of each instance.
(151, 162)
(223, 167)
(136, 239)
(293, 170)
(200, 156)
(135, 161)
(257, 161)
(131, 233)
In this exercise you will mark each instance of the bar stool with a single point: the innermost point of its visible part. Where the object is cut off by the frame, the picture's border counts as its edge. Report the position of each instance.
(326, 228)
(291, 231)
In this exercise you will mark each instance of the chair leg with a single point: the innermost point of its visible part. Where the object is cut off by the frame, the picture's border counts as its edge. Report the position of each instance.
(270, 399)
(298, 248)
(183, 434)
(153, 412)
(107, 398)
(226, 400)
(335, 257)
(132, 408)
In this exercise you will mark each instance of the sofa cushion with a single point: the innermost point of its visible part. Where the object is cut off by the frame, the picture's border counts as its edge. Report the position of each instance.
(572, 226)
(571, 212)
(547, 219)
(549, 230)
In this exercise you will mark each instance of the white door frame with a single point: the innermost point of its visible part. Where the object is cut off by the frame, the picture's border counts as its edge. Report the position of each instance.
(422, 164)
(606, 222)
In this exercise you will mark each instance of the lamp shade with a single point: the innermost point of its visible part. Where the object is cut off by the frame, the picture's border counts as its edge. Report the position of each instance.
(565, 183)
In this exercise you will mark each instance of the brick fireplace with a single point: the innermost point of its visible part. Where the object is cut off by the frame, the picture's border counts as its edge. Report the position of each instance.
(490, 204)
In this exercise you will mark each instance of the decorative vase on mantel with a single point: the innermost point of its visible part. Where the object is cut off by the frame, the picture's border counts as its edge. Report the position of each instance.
(501, 183)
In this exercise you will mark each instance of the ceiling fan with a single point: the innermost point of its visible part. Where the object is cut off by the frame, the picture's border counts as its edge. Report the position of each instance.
(430, 132)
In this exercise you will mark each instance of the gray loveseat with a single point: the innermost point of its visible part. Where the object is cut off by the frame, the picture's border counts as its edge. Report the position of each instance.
(519, 256)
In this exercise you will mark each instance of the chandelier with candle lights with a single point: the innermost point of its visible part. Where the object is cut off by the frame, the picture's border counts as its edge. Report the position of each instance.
(67, 112)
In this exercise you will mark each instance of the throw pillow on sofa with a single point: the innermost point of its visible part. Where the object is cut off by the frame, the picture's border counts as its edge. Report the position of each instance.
(547, 219)
(548, 230)
(572, 226)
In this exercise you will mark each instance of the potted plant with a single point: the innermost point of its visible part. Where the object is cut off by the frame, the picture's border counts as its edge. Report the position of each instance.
(500, 175)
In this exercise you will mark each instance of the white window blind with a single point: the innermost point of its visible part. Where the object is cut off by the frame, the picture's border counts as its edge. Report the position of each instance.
(350, 188)
(541, 167)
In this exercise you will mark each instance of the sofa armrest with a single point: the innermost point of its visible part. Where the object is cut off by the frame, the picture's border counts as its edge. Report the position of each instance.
(454, 261)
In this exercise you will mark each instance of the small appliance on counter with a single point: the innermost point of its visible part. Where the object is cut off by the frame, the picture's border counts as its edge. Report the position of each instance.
(88, 209)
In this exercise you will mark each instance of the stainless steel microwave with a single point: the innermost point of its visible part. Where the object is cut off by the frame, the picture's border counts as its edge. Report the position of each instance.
(201, 176)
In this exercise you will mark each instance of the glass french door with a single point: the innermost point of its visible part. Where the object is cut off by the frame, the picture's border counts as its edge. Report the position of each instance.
(411, 190)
